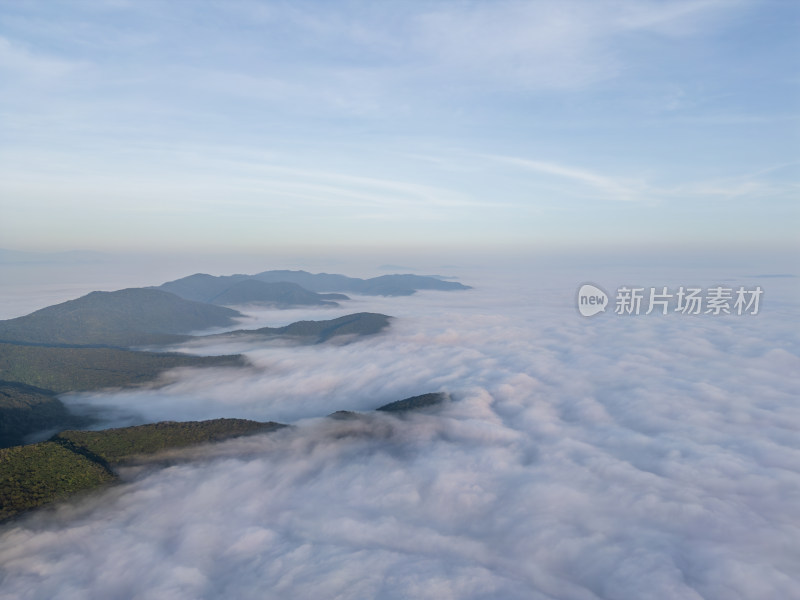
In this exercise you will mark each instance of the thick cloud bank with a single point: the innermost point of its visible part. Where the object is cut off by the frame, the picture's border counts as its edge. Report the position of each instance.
(610, 457)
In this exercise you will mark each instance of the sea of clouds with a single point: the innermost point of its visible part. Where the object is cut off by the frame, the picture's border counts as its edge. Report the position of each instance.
(619, 457)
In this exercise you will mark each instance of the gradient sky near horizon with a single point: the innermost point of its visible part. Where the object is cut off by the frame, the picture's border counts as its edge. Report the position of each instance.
(243, 125)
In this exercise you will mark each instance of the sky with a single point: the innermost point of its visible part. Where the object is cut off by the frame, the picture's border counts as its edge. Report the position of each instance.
(642, 143)
(244, 126)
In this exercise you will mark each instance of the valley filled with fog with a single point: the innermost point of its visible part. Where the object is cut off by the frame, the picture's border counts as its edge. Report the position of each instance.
(604, 457)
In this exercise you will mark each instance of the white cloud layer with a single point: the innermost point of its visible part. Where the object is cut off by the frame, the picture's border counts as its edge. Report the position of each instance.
(612, 457)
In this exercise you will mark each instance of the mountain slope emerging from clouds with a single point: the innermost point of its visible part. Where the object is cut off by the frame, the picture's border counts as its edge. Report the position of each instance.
(415, 403)
(25, 409)
(61, 369)
(53, 366)
(357, 324)
(78, 461)
(129, 317)
(115, 446)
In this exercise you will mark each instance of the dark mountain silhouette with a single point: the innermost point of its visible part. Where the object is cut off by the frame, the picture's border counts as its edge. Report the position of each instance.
(25, 409)
(201, 287)
(281, 294)
(358, 324)
(385, 285)
(415, 402)
(283, 288)
(244, 289)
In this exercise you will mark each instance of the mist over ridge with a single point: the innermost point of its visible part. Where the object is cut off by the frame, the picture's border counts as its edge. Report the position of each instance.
(579, 458)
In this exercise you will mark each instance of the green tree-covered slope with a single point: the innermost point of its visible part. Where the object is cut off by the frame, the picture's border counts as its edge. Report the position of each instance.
(76, 369)
(414, 403)
(37, 474)
(75, 461)
(117, 445)
(26, 409)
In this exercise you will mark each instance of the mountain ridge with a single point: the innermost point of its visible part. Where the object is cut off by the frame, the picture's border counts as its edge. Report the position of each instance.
(383, 285)
(360, 324)
(203, 287)
(74, 461)
(128, 317)
(244, 289)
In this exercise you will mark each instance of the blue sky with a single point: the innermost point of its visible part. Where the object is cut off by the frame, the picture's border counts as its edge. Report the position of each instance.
(246, 126)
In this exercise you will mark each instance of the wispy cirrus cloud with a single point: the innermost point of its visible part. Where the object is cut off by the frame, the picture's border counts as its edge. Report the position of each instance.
(359, 90)
(31, 65)
(601, 186)
(592, 184)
